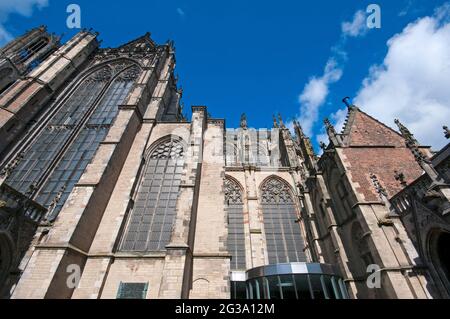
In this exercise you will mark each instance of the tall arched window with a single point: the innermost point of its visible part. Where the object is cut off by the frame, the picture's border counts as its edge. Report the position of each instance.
(151, 220)
(235, 212)
(58, 156)
(284, 240)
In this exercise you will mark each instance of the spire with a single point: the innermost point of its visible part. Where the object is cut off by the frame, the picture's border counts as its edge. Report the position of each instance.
(244, 121)
(281, 121)
(275, 123)
(412, 144)
(446, 132)
(423, 161)
(332, 134)
(329, 127)
(298, 129)
(407, 135)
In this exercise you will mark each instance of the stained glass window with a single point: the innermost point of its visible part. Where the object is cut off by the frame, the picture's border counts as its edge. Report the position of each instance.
(61, 152)
(284, 240)
(151, 220)
(236, 236)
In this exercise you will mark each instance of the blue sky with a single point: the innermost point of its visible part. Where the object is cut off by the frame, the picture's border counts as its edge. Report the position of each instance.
(260, 57)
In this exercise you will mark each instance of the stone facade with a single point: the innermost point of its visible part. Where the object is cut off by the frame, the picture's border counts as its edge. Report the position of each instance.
(155, 206)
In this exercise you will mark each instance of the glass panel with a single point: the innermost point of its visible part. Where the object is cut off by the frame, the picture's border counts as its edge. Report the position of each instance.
(302, 285)
(328, 286)
(238, 290)
(250, 290)
(343, 290)
(316, 287)
(256, 289)
(288, 287)
(274, 288)
(336, 287)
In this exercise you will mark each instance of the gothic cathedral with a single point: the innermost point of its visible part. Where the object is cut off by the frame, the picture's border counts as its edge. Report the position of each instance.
(108, 191)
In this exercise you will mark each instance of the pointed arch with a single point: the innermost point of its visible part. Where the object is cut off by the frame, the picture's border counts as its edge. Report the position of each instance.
(233, 190)
(151, 220)
(274, 189)
(283, 235)
(436, 248)
(165, 146)
(234, 206)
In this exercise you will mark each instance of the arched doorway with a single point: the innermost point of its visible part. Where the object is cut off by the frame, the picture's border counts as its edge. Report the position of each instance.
(440, 257)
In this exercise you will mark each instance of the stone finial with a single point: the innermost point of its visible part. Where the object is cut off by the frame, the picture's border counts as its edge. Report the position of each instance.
(382, 193)
(309, 147)
(401, 178)
(298, 129)
(275, 122)
(347, 102)
(323, 146)
(446, 132)
(332, 134)
(244, 121)
(418, 155)
(407, 135)
(413, 145)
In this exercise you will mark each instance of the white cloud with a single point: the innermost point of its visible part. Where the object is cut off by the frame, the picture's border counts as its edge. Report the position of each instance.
(22, 7)
(357, 27)
(406, 9)
(315, 93)
(412, 83)
(181, 12)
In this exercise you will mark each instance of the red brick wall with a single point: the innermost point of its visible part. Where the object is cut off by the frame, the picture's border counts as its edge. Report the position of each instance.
(385, 153)
(368, 131)
(383, 162)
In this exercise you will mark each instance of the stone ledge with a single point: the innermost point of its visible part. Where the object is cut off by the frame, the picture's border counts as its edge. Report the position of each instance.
(213, 255)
